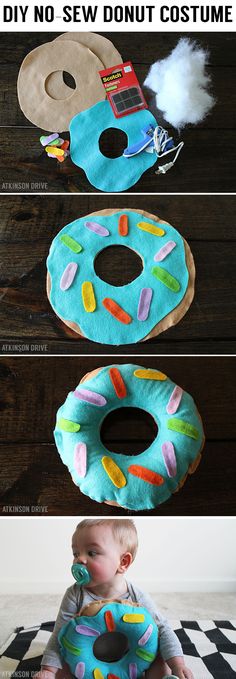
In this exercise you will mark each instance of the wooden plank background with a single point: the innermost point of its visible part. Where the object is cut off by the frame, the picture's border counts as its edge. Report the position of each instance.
(27, 227)
(206, 163)
(31, 471)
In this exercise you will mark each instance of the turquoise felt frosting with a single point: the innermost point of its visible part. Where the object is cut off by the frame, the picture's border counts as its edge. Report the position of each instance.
(100, 325)
(79, 637)
(109, 174)
(138, 482)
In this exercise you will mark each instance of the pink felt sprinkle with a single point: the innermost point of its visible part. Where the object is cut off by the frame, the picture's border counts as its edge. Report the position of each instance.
(97, 228)
(80, 459)
(144, 303)
(168, 453)
(133, 670)
(174, 401)
(144, 639)
(90, 397)
(80, 670)
(163, 252)
(87, 631)
(68, 275)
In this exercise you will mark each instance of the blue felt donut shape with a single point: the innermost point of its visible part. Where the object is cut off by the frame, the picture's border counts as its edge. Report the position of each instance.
(138, 482)
(109, 174)
(78, 639)
(99, 324)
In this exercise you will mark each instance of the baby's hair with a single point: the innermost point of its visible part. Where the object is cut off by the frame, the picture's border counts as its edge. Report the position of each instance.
(124, 531)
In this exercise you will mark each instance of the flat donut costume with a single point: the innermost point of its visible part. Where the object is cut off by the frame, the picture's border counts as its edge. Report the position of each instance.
(138, 482)
(108, 640)
(157, 299)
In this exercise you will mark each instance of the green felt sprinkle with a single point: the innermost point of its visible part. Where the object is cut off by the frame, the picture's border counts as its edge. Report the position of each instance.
(145, 655)
(183, 428)
(70, 243)
(166, 278)
(67, 425)
(70, 647)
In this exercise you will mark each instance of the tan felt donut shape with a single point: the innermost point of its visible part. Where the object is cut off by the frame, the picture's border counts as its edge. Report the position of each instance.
(41, 109)
(100, 46)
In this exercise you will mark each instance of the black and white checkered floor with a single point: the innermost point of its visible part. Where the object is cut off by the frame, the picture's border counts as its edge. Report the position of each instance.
(209, 648)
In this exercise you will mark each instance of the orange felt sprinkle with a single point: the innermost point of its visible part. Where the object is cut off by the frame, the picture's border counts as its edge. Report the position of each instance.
(116, 311)
(118, 382)
(112, 676)
(123, 225)
(109, 620)
(146, 474)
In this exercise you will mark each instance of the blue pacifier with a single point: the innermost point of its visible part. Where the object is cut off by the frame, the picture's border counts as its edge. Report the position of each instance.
(80, 573)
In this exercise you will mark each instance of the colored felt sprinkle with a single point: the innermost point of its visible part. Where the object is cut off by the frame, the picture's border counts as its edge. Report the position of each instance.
(166, 278)
(133, 617)
(116, 311)
(150, 228)
(70, 243)
(133, 670)
(146, 636)
(68, 425)
(70, 647)
(80, 670)
(145, 655)
(65, 145)
(80, 459)
(109, 620)
(183, 428)
(112, 676)
(97, 228)
(144, 304)
(146, 474)
(90, 397)
(54, 151)
(97, 674)
(68, 275)
(114, 472)
(87, 631)
(163, 252)
(57, 142)
(123, 225)
(150, 375)
(175, 400)
(168, 453)
(48, 140)
(118, 382)
(88, 297)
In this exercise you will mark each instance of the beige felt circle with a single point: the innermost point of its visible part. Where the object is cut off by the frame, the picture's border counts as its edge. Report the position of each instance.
(41, 109)
(100, 46)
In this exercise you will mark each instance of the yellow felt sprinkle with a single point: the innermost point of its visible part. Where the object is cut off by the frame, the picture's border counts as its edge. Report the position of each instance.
(155, 230)
(150, 375)
(114, 472)
(97, 674)
(133, 617)
(88, 296)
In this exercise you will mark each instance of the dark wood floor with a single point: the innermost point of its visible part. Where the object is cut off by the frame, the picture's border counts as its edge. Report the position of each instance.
(31, 472)
(207, 162)
(27, 227)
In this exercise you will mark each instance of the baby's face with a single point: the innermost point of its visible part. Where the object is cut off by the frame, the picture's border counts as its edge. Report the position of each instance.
(97, 549)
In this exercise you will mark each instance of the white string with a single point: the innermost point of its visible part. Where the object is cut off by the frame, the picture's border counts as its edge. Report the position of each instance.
(160, 140)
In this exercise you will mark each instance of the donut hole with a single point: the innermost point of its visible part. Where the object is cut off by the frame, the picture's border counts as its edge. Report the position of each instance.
(128, 431)
(113, 142)
(110, 646)
(118, 265)
(57, 84)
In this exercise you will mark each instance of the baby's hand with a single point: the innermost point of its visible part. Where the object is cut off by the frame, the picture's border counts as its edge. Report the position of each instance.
(178, 667)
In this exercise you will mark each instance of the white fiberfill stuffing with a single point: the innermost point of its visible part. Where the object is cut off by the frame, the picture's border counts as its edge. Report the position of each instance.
(180, 83)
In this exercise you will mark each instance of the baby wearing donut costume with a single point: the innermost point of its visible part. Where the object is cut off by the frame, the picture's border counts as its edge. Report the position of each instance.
(105, 548)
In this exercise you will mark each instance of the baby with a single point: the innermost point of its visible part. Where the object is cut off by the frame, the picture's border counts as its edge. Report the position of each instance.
(107, 548)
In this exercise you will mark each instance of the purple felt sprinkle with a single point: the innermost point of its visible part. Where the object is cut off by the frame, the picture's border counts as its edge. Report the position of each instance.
(80, 670)
(68, 275)
(80, 459)
(144, 303)
(47, 140)
(90, 397)
(175, 399)
(163, 252)
(87, 631)
(144, 639)
(133, 670)
(97, 228)
(168, 453)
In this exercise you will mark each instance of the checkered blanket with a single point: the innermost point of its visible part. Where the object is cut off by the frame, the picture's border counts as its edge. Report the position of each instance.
(209, 648)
